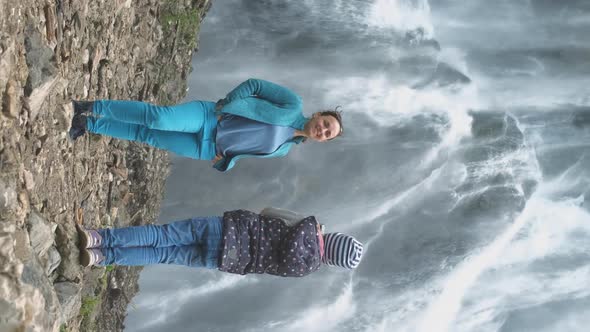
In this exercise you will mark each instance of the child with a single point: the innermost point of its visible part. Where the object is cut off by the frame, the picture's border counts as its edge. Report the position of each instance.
(276, 241)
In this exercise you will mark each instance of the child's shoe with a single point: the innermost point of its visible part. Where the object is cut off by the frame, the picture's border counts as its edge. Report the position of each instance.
(88, 238)
(90, 257)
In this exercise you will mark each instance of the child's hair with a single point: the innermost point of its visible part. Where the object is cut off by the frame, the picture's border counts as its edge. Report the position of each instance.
(342, 250)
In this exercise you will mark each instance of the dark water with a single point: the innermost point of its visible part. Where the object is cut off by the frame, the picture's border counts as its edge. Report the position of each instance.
(464, 168)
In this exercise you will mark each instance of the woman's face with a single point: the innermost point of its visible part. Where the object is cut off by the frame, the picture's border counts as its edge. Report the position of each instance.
(322, 127)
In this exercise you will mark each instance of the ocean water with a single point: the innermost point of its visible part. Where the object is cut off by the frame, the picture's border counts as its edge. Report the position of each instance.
(464, 167)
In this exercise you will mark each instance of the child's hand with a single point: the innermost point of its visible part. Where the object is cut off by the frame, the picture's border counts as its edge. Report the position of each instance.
(319, 227)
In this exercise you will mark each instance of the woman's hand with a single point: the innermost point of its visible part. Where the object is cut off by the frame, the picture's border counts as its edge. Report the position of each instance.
(219, 104)
(217, 158)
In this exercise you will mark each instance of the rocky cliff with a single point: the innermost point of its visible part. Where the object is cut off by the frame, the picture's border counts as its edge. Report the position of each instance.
(50, 53)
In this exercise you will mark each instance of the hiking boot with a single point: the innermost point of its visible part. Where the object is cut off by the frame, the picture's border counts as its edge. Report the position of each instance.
(82, 107)
(88, 238)
(89, 257)
(78, 127)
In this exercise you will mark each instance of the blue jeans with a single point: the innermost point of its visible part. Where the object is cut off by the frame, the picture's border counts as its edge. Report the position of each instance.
(186, 129)
(194, 242)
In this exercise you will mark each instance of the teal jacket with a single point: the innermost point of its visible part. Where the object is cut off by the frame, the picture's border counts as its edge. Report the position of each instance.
(265, 102)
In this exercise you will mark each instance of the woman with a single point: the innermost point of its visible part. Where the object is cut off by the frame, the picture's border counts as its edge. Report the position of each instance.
(256, 119)
(277, 242)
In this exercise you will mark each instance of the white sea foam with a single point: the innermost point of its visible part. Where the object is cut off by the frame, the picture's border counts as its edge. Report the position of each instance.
(546, 228)
(550, 233)
(503, 276)
(399, 313)
(539, 90)
(321, 317)
(402, 15)
(441, 313)
(163, 305)
(557, 230)
(460, 127)
(445, 177)
(380, 98)
(510, 290)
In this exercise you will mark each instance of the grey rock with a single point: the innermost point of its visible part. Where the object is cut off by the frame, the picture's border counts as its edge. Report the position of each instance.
(85, 56)
(10, 104)
(10, 316)
(70, 299)
(29, 181)
(22, 245)
(65, 239)
(92, 276)
(37, 97)
(8, 197)
(40, 233)
(34, 275)
(7, 60)
(39, 58)
(7, 255)
(50, 25)
(53, 260)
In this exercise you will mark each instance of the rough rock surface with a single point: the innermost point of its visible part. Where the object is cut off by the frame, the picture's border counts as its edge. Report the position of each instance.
(50, 53)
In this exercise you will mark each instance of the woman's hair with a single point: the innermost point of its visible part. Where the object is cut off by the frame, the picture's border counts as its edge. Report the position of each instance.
(337, 115)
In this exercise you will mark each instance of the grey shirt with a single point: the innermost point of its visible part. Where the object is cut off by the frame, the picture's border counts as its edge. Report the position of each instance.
(238, 135)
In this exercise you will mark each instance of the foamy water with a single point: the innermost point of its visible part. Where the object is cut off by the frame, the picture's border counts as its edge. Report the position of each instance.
(464, 168)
